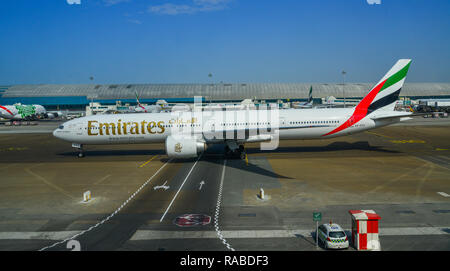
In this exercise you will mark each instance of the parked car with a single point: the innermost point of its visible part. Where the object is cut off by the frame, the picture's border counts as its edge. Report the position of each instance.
(332, 236)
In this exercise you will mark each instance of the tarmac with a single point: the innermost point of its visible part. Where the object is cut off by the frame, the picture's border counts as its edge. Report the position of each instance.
(402, 172)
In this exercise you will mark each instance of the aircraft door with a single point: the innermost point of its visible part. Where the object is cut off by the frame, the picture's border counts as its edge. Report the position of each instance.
(78, 128)
(282, 121)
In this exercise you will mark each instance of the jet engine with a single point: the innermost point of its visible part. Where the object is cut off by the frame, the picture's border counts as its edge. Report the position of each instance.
(184, 147)
(50, 115)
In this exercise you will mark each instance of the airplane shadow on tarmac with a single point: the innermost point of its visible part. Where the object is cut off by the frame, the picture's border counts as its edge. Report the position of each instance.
(234, 163)
(335, 146)
(214, 154)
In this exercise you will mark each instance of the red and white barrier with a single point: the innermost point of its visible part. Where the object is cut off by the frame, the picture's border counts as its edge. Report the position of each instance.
(365, 229)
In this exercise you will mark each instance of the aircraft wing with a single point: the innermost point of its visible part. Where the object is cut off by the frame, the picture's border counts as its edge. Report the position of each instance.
(391, 115)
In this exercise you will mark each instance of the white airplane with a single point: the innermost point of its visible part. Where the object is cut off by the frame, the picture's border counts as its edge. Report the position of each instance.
(307, 104)
(187, 134)
(24, 112)
(156, 108)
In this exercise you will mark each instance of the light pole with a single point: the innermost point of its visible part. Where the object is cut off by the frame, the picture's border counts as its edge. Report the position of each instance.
(343, 83)
(210, 77)
(212, 84)
(92, 99)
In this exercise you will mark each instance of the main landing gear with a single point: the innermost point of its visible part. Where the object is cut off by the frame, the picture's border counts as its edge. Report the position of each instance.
(237, 152)
(79, 148)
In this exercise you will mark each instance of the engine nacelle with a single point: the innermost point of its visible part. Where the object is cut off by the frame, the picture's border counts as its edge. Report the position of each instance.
(184, 147)
(51, 115)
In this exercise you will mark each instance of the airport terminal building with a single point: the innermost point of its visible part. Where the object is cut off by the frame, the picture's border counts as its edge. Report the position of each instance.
(76, 97)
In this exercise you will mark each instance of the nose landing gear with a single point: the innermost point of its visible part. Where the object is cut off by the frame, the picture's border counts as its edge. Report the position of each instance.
(242, 152)
(79, 148)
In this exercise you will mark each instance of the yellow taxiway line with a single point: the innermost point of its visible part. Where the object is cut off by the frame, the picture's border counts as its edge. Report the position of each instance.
(148, 161)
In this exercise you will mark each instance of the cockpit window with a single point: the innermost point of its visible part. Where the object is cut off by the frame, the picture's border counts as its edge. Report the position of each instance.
(61, 127)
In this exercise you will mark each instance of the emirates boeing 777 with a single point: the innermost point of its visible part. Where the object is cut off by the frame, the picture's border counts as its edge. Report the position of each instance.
(187, 134)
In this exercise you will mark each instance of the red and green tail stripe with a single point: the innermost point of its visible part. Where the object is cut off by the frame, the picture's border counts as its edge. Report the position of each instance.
(367, 104)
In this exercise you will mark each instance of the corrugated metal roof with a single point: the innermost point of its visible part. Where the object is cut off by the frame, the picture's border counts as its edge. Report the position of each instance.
(217, 91)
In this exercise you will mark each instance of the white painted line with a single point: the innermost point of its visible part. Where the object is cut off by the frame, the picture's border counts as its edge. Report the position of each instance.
(444, 194)
(445, 158)
(216, 217)
(181, 186)
(44, 180)
(102, 179)
(111, 215)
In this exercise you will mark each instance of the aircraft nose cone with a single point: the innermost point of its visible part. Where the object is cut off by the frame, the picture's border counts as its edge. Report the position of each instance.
(55, 133)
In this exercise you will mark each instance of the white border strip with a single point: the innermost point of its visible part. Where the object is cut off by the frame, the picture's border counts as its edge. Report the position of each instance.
(141, 235)
(216, 217)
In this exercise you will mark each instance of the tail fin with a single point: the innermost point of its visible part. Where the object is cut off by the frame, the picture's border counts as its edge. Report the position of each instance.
(310, 98)
(384, 95)
(137, 99)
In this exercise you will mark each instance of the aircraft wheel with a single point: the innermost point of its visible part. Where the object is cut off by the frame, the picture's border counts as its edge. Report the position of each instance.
(241, 148)
(228, 152)
(236, 154)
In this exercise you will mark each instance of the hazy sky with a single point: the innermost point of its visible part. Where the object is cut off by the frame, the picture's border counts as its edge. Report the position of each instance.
(182, 41)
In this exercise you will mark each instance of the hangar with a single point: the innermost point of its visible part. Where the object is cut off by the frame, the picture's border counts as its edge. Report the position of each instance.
(54, 96)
